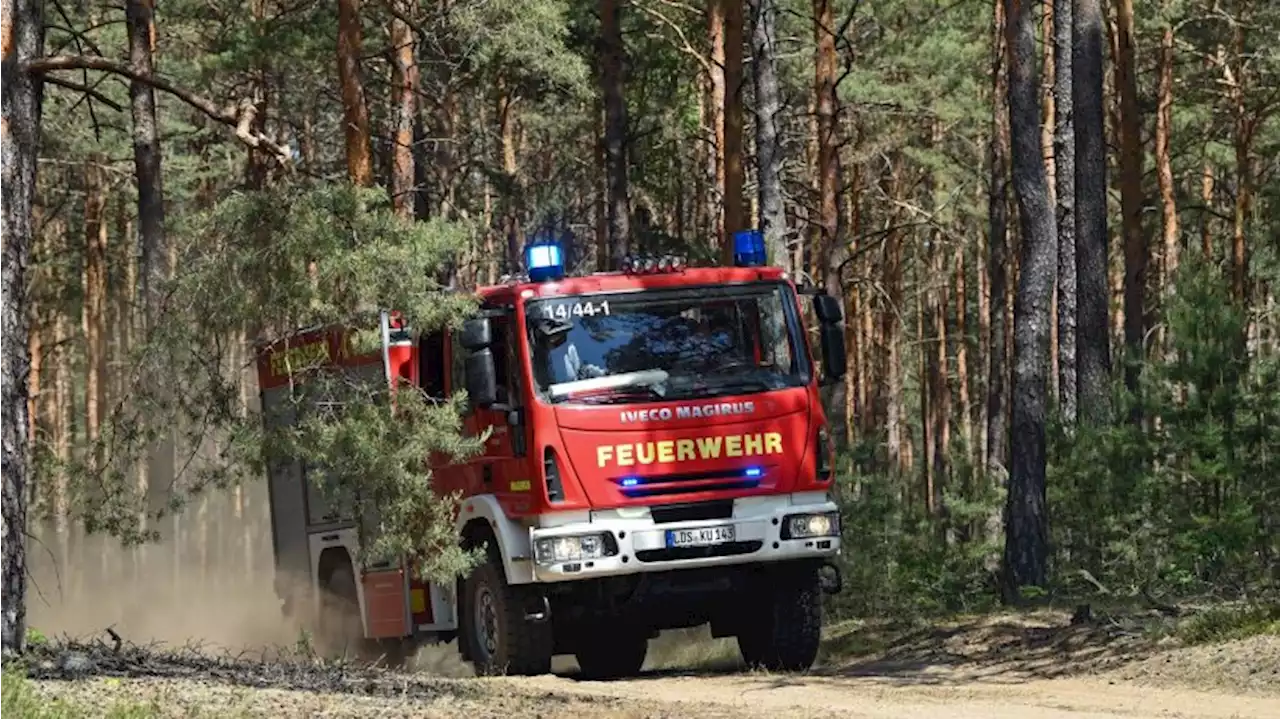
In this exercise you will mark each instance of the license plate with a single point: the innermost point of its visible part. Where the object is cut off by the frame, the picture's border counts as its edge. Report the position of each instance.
(702, 537)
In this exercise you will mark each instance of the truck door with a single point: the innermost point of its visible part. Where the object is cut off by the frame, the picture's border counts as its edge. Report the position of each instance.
(501, 469)
(385, 580)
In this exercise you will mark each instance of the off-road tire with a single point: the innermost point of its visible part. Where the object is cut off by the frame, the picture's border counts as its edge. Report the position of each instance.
(520, 647)
(341, 631)
(784, 633)
(606, 656)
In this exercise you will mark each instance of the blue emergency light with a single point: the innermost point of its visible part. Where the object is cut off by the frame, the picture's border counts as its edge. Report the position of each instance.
(748, 248)
(544, 260)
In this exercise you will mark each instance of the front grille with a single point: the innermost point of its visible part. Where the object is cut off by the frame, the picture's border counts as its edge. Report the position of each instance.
(637, 492)
(729, 549)
(692, 511)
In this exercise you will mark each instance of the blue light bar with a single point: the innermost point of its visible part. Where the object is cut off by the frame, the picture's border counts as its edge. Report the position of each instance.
(753, 472)
(544, 261)
(748, 248)
(630, 481)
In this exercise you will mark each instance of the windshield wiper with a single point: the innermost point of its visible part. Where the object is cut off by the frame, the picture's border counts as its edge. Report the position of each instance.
(619, 395)
(732, 386)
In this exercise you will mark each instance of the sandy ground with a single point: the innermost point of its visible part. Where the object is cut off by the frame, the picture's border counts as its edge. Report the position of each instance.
(990, 668)
(221, 639)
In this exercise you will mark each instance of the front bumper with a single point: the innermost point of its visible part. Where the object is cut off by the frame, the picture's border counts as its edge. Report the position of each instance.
(642, 543)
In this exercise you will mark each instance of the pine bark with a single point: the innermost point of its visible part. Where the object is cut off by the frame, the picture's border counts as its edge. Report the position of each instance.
(768, 146)
(715, 120)
(355, 113)
(1164, 170)
(1026, 552)
(141, 29)
(1242, 143)
(615, 131)
(824, 86)
(1064, 158)
(735, 210)
(997, 446)
(1093, 349)
(404, 94)
(1131, 200)
(19, 145)
(95, 301)
(965, 408)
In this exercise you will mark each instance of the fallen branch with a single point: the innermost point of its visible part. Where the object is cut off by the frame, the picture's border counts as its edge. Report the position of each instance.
(1086, 575)
(233, 116)
(1168, 610)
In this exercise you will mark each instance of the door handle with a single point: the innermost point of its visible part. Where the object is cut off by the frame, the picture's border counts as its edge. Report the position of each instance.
(486, 474)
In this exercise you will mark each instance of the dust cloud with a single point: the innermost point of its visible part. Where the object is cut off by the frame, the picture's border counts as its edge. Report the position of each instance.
(207, 582)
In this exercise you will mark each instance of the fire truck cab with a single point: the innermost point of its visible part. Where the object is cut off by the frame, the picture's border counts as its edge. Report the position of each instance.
(657, 458)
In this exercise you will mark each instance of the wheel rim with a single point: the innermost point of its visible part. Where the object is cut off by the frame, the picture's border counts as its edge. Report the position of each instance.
(486, 621)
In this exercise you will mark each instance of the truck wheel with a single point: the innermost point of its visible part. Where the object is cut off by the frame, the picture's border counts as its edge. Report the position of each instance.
(612, 657)
(500, 640)
(787, 627)
(341, 630)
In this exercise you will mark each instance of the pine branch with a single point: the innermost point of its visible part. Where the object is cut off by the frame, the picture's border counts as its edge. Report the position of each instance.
(85, 89)
(239, 117)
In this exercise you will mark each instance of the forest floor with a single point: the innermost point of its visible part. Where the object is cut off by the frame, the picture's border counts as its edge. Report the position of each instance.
(1006, 665)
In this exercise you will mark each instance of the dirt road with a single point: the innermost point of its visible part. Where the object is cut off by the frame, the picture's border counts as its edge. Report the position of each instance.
(986, 669)
(702, 696)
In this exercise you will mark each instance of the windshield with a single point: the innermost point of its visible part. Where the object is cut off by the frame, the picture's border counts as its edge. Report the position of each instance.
(655, 345)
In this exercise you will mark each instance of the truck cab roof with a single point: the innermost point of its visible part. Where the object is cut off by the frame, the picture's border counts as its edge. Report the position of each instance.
(628, 282)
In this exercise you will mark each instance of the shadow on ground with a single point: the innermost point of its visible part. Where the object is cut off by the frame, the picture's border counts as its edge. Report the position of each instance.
(1010, 648)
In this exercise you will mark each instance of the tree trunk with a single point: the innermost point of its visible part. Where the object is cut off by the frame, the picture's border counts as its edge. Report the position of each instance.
(404, 94)
(1064, 157)
(997, 447)
(1093, 349)
(1242, 142)
(355, 114)
(940, 391)
(897, 443)
(19, 148)
(768, 146)
(1026, 552)
(1206, 215)
(95, 301)
(735, 211)
(615, 131)
(1135, 241)
(961, 303)
(715, 120)
(140, 21)
(1164, 175)
(506, 112)
(824, 87)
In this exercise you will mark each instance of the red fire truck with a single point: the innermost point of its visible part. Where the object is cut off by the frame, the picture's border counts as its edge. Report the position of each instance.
(657, 458)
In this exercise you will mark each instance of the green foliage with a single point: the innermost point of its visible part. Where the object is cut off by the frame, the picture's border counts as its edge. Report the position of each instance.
(20, 699)
(368, 450)
(1221, 624)
(260, 266)
(900, 562)
(1179, 502)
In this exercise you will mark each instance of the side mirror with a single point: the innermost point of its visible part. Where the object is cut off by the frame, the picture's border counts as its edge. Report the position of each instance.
(834, 358)
(482, 378)
(828, 309)
(477, 334)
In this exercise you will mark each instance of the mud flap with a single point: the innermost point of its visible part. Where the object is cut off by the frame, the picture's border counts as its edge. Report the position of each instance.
(830, 579)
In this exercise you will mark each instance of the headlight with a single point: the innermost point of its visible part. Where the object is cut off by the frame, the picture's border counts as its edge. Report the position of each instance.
(553, 550)
(808, 526)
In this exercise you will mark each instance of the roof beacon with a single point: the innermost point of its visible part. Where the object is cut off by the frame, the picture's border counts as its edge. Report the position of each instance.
(544, 261)
(748, 248)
